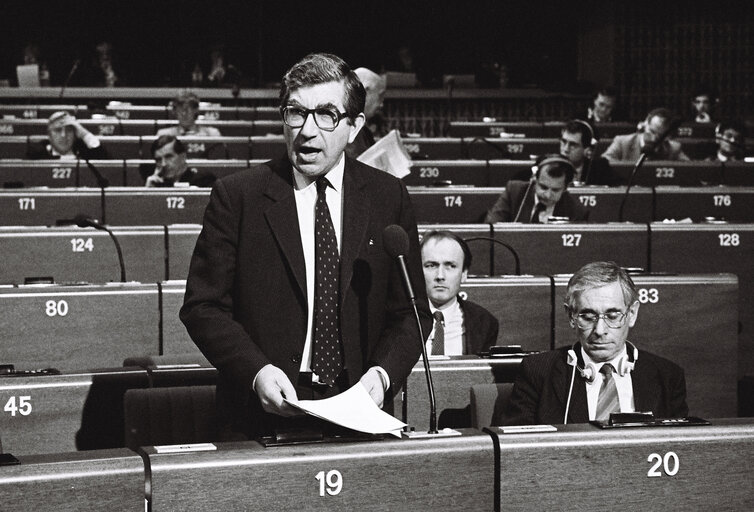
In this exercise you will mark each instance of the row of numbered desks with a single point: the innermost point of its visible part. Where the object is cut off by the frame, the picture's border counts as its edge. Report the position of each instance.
(250, 141)
(126, 111)
(75, 327)
(668, 468)
(430, 173)
(135, 206)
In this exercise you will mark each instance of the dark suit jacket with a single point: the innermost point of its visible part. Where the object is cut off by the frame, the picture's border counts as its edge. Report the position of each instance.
(480, 325)
(39, 151)
(541, 390)
(245, 303)
(507, 205)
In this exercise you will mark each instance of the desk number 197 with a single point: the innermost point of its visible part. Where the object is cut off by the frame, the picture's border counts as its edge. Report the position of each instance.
(332, 482)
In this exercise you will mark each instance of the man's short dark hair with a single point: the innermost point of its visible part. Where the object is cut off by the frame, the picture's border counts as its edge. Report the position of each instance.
(609, 91)
(321, 68)
(733, 124)
(582, 128)
(664, 113)
(164, 140)
(555, 166)
(596, 275)
(436, 234)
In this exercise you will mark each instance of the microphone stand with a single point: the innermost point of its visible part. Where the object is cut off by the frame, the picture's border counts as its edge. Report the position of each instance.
(102, 183)
(523, 201)
(492, 259)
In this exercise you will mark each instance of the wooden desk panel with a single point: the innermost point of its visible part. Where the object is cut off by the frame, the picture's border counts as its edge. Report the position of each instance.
(219, 168)
(175, 339)
(40, 111)
(381, 475)
(557, 248)
(181, 243)
(78, 327)
(687, 248)
(43, 207)
(573, 468)
(675, 173)
(236, 148)
(452, 205)
(13, 146)
(68, 412)
(604, 203)
(81, 254)
(59, 173)
(691, 320)
(734, 204)
(156, 206)
(93, 480)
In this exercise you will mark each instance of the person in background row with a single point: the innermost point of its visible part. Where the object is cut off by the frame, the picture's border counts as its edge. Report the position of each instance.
(291, 293)
(373, 127)
(170, 166)
(68, 140)
(461, 327)
(630, 147)
(540, 198)
(703, 105)
(730, 139)
(602, 107)
(185, 109)
(602, 372)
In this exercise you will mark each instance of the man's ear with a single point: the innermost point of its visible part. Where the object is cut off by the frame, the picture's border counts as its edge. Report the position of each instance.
(633, 313)
(464, 275)
(355, 126)
(570, 316)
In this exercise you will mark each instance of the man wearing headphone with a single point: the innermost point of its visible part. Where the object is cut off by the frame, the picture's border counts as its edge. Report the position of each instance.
(730, 139)
(540, 198)
(602, 373)
(577, 141)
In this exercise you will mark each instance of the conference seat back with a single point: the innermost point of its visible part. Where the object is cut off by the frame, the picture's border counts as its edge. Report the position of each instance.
(488, 401)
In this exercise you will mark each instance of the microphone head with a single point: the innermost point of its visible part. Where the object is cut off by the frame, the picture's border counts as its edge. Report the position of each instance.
(395, 240)
(83, 221)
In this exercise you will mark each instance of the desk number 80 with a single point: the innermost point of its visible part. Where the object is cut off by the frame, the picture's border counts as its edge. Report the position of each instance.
(332, 482)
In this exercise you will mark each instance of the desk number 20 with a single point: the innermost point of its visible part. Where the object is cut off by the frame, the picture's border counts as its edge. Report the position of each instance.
(332, 482)
(669, 463)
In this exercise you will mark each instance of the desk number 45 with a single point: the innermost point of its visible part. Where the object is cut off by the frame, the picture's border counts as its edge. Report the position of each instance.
(20, 404)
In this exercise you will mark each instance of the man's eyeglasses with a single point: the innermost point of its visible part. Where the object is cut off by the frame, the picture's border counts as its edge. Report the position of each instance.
(613, 319)
(326, 118)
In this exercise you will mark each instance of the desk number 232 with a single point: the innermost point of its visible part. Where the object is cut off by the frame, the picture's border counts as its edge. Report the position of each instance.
(332, 482)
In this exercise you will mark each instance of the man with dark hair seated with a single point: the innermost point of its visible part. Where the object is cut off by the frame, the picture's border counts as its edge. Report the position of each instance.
(549, 197)
(630, 147)
(577, 141)
(730, 139)
(170, 166)
(185, 108)
(68, 140)
(461, 327)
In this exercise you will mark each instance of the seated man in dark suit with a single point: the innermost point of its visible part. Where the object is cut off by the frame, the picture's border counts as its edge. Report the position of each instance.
(730, 139)
(630, 147)
(461, 327)
(170, 167)
(577, 141)
(68, 140)
(519, 203)
(602, 372)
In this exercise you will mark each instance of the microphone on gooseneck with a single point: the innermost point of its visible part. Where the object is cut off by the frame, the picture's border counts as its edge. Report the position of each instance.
(84, 221)
(395, 242)
(74, 67)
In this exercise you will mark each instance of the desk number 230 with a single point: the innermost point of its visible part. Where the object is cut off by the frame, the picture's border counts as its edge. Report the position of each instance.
(331, 482)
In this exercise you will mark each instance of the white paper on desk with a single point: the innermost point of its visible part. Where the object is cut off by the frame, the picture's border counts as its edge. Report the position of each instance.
(353, 409)
(388, 154)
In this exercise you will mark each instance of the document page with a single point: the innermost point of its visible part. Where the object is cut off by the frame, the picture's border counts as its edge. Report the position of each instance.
(353, 409)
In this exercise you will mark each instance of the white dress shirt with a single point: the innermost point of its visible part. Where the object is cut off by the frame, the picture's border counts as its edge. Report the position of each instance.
(454, 330)
(622, 383)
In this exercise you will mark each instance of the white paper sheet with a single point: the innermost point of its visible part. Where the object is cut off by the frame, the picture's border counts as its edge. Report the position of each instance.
(353, 409)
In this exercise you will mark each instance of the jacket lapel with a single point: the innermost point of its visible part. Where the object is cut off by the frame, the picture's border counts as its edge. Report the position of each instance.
(643, 382)
(282, 218)
(578, 412)
(356, 207)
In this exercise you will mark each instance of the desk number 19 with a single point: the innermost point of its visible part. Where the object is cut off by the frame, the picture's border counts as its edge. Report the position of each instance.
(332, 482)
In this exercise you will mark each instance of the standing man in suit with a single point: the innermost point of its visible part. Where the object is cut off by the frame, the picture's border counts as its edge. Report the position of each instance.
(290, 294)
(602, 372)
(545, 195)
(461, 327)
(630, 147)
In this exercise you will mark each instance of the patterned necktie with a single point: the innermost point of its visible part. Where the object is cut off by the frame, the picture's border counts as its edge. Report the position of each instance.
(539, 208)
(438, 342)
(327, 359)
(607, 402)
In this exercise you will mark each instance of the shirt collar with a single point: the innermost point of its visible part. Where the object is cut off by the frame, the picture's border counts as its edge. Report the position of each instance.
(613, 361)
(334, 176)
(452, 302)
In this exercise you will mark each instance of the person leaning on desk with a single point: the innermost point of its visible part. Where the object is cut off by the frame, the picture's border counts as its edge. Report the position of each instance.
(602, 372)
(68, 140)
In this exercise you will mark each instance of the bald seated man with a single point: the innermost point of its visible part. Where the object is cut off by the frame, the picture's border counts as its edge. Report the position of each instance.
(375, 86)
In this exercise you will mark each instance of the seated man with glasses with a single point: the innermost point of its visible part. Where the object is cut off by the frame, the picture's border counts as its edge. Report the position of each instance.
(602, 372)
(291, 294)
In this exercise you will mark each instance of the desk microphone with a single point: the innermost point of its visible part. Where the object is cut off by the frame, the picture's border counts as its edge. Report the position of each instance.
(102, 183)
(648, 149)
(526, 195)
(84, 221)
(395, 242)
(74, 67)
(492, 256)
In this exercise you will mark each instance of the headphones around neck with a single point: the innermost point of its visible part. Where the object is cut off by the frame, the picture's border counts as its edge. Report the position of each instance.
(589, 370)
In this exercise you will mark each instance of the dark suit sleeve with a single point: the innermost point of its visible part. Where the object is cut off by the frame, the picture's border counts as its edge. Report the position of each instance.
(207, 311)
(398, 347)
(501, 210)
(677, 394)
